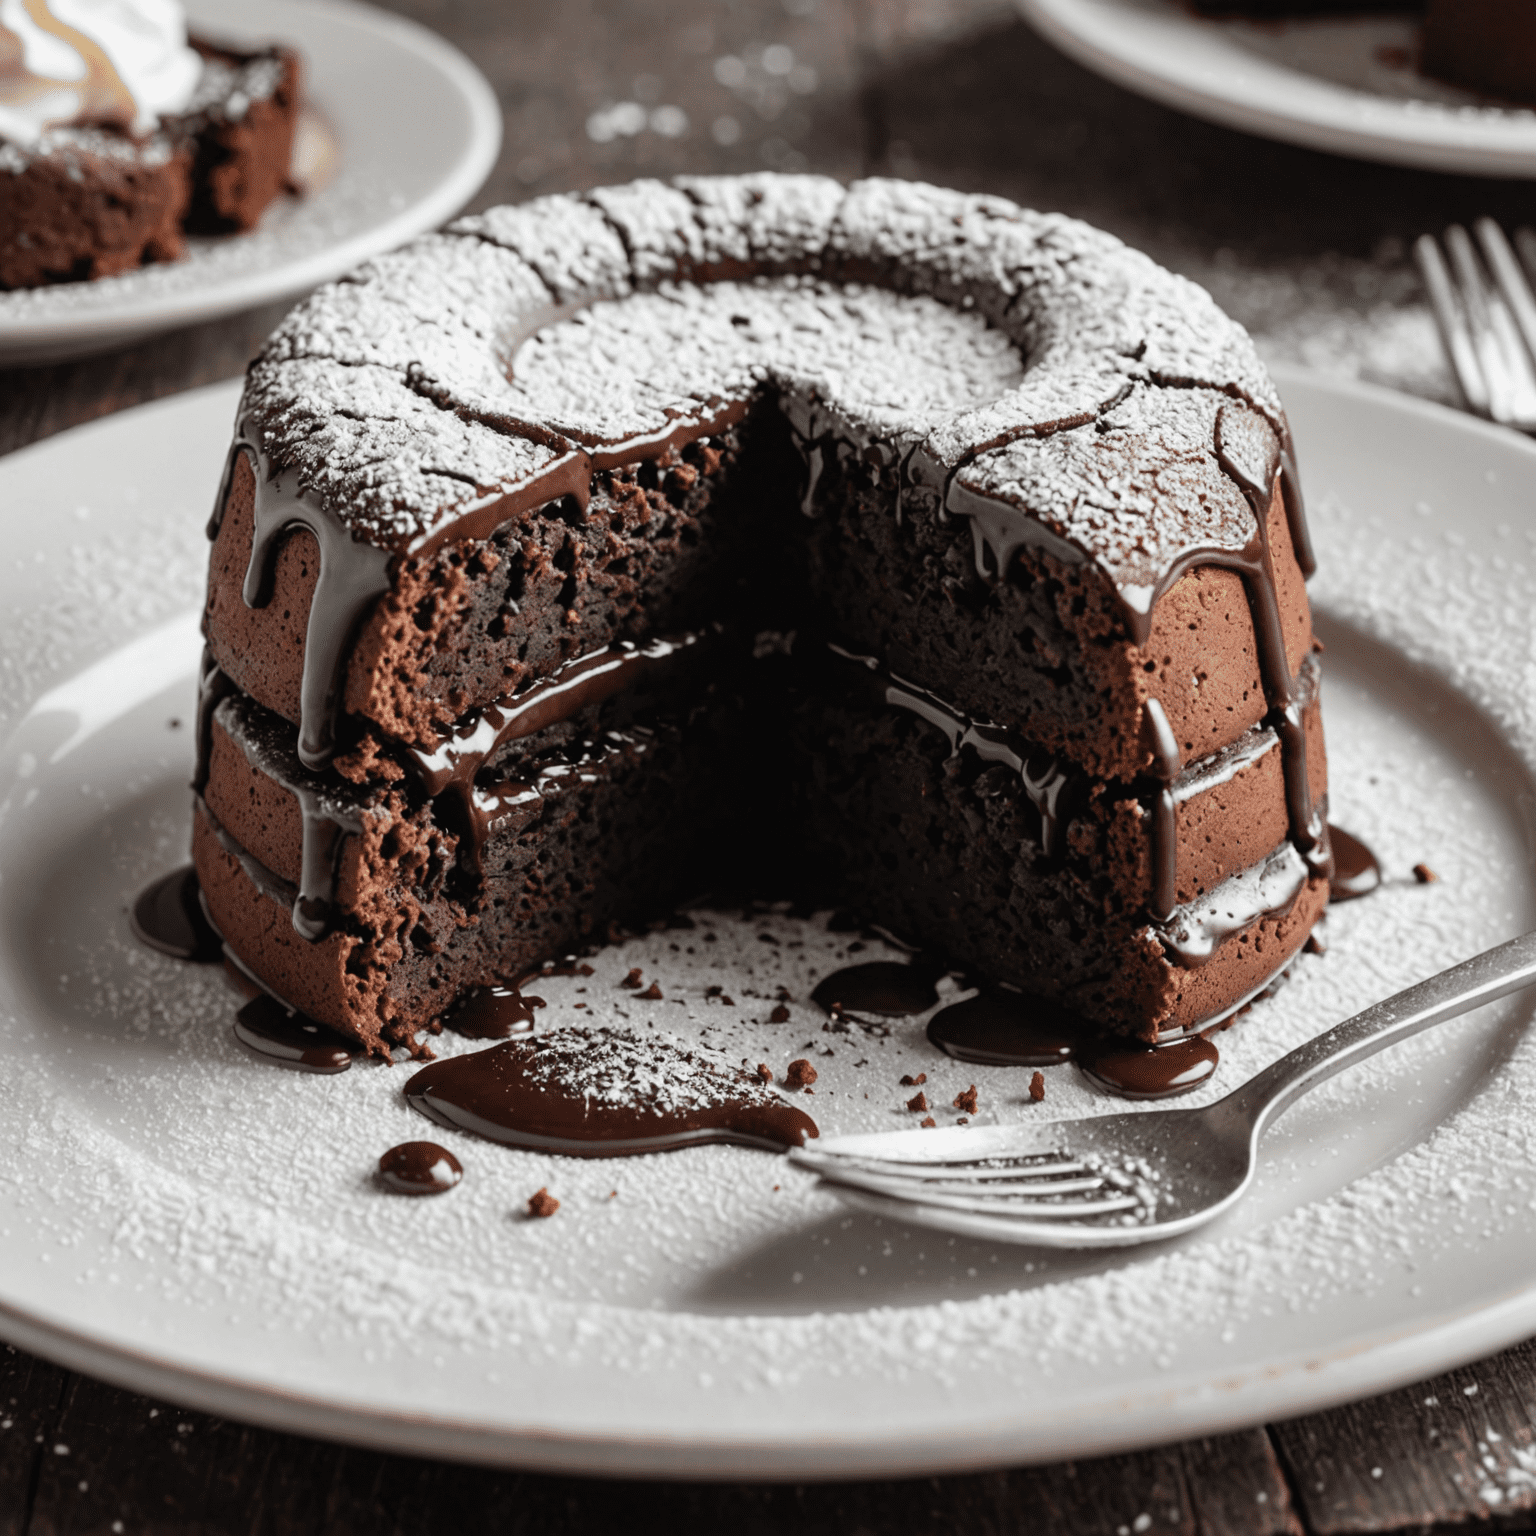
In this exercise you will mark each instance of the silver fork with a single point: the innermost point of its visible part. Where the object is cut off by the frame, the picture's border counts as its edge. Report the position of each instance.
(1117, 1180)
(1486, 313)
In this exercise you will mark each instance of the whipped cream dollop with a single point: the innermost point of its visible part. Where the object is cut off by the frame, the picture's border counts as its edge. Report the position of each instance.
(118, 63)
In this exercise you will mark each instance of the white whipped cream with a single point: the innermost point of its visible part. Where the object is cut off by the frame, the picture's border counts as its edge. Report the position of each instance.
(119, 62)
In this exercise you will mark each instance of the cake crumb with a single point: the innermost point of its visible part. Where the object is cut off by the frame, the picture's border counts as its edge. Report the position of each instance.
(634, 979)
(967, 1100)
(544, 1204)
(918, 1102)
(1424, 874)
(780, 1015)
(801, 1074)
(652, 993)
(928, 1124)
(962, 1121)
(908, 1081)
(765, 1072)
(1037, 1087)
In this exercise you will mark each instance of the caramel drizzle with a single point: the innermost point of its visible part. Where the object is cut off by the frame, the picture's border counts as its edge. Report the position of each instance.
(104, 98)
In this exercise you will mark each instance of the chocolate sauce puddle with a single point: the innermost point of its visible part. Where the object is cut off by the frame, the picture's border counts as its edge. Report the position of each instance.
(1355, 870)
(291, 1040)
(604, 1093)
(168, 916)
(1133, 1071)
(419, 1168)
(1003, 1028)
(496, 1012)
(879, 986)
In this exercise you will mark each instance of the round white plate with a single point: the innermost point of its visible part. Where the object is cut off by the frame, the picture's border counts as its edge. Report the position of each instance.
(181, 1218)
(413, 128)
(1336, 84)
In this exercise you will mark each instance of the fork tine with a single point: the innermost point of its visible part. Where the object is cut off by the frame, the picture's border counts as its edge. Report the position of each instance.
(1514, 317)
(1452, 323)
(1019, 1206)
(1477, 300)
(1044, 1167)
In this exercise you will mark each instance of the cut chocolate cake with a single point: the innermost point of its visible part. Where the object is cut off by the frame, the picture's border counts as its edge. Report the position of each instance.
(157, 137)
(876, 545)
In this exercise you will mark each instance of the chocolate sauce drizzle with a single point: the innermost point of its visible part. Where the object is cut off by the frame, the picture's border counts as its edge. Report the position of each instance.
(1048, 783)
(352, 576)
(290, 1039)
(889, 987)
(496, 1012)
(168, 916)
(451, 767)
(1355, 870)
(604, 1093)
(419, 1168)
(1255, 457)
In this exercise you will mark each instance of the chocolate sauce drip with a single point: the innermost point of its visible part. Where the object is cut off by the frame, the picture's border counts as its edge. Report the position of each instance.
(1355, 870)
(212, 687)
(1003, 1028)
(353, 575)
(1251, 453)
(1167, 762)
(604, 1093)
(493, 1013)
(326, 818)
(292, 1040)
(1051, 785)
(1295, 506)
(1192, 935)
(880, 986)
(1133, 1071)
(419, 1168)
(451, 766)
(168, 916)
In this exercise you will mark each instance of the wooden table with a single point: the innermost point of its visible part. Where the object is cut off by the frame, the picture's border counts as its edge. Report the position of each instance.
(1310, 252)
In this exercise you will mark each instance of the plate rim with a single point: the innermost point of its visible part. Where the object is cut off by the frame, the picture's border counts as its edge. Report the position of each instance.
(36, 339)
(1192, 1405)
(1330, 117)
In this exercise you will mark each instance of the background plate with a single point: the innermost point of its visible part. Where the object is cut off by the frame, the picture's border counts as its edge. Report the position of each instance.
(1326, 84)
(180, 1218)
(416, 129)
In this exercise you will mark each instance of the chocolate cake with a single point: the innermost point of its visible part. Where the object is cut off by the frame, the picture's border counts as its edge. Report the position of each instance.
(115, 186)
(879, 545)
(1487, 46)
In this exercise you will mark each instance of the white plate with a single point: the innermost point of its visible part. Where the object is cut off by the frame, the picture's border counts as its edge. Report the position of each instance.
(1315, 81)
(415, 129)
(180, 1218)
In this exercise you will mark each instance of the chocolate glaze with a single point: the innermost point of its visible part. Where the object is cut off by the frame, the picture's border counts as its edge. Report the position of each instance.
(1050, 784)
(329, 814)
(879, 986)
(353, 575)
(1167, 760)
(1191, 935)
(1133, 1071)
(1000, 1027)
(604, 1093)
(168, 915)
(419, 1168)
(1355, 870)
(450, 768)
(290, 1039)
(493, 1013)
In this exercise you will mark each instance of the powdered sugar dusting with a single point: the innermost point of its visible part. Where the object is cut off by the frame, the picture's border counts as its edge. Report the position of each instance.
(955, 323)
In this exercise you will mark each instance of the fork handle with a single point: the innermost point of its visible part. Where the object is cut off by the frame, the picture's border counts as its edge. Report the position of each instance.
(1493, 974)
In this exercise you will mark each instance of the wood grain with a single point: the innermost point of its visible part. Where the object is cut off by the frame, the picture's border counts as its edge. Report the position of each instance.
(960, 92)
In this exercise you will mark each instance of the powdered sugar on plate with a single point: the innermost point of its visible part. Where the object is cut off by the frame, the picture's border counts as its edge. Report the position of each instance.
(710, 1310)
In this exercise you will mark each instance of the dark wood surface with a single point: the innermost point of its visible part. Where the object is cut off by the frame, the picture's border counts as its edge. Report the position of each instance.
(1310, 252)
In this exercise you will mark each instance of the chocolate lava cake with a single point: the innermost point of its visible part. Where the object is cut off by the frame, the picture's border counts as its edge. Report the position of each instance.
(88, 201)
(881, 546)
